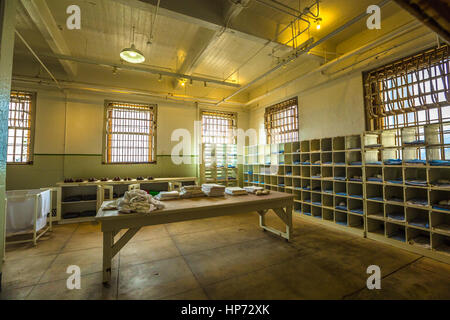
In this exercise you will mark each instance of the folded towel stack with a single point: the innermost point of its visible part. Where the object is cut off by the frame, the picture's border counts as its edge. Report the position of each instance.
(252, 189)
(168, 195)
(213, 190)
(235, 191)
(191, 192)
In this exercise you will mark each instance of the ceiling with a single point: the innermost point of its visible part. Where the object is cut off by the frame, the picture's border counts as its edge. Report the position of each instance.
(209, 39)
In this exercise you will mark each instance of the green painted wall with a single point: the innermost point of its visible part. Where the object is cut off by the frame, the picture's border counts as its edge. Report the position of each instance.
(47, 170)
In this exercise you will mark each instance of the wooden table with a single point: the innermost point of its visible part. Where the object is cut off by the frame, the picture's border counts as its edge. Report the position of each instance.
(112, 222)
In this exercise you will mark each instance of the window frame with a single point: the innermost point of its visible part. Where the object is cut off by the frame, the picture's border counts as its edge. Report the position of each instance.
(376, 98)
(105, 133)
(32, 127)
(284, 104)
(235, 126)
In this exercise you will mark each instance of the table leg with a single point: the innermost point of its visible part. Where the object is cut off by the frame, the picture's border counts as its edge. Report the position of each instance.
(288, 222)
(108, 240)
(262, 218)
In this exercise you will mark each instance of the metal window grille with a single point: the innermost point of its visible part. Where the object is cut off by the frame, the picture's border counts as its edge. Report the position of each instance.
(281, 122)
(130, 133)
(218, 127)
(20, 127)
(409, 92)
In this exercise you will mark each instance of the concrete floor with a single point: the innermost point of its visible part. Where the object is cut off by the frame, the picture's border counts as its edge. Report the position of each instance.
(221, 258)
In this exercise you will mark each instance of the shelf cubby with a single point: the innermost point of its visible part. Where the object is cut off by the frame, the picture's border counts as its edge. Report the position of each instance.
(440, 222)
(355, 190)
(316, 212)
(341, 218)
(393, 175)
(356, 206)
(356, 222)
(339, 158)
(327, 200)
(340, 188)
(374, 192)
(417, 218)
(395, 213)
(315, 145)
(340, 203)
(304, 146)
(393, 194)
(395, 232)
(327, 187)
(375, 226)
(306, 209)
(338, 143)
(375, 210)
(327, 214)
(326, 144)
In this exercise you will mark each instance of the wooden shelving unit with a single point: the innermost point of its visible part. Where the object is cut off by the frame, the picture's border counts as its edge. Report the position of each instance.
(86, 196)
(347, 182)
(402, 203)
(219, 164)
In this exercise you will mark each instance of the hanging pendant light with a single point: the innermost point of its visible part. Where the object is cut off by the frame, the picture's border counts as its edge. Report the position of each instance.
(131, 54)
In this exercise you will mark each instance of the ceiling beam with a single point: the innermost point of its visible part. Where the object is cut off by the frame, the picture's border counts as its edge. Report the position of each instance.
(207, 14)
(206, 38)
(139, 69)
(435, 14)
(46, 24)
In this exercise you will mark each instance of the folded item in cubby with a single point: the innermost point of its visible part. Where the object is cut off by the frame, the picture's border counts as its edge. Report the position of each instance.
(343, 223)
(297, 162)
(376, 198)
(340, 178)
(306, 163)
(281, 185)
(289, 173)
(356, 163)
(341, 208)
(373, 179)
(393, 162)
(307, 213)
(317, 203)
(356, 196)
(373, 146)
(341, 193)
(441, 207)
(397, 181)
(443, 227)
(416, 161)
(415, 142)
(355, 179)
(396, 216)
(358, 211)
(420, 223)
(400, 236)
(339, 163)
(439, 162)
(327, 163)
(377, 163)
(421, 241)
(328, 191)
(318, 217)
(418, 202)
(416, 182)
(308, 200)
(316, 177)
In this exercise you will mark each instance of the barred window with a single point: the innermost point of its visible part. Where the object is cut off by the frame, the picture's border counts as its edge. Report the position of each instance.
(281, 122)
(218, 127)
(130, 133)
(408, 92)
(20, 127)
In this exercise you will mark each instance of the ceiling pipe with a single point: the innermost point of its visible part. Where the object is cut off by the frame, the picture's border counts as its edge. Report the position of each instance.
(408, 27)
(38, 59)
(117, 90)
(327, 37)
(343, 72)
(141, 69)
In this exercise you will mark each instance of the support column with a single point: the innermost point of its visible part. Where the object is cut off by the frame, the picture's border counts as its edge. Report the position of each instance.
(7, 28)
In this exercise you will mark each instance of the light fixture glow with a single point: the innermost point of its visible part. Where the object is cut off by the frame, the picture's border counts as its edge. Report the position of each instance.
(318, 21)
(132, 55)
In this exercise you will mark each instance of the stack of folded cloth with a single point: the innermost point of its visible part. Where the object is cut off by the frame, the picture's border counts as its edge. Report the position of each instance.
(235, 191)
(213, 190)
(252, 189)
(191, 192)
(168, 195)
